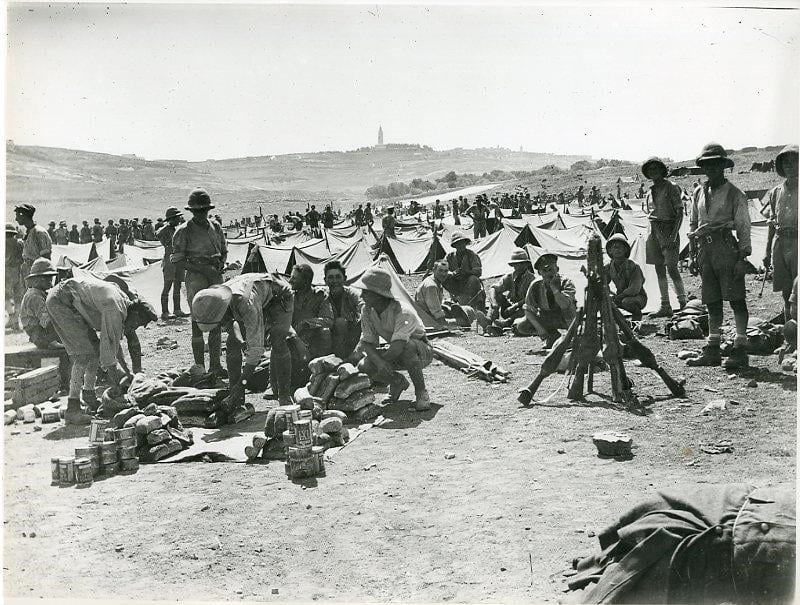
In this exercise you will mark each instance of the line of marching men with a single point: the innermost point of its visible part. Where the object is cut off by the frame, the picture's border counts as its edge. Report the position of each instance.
(545, 304)
(90, 316)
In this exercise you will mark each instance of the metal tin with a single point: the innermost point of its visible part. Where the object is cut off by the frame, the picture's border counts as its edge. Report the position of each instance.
(108, 452)
(318, 453)
(108, 434)
(288, 438)
(284, 411)
(109, 470)
(54, 471)
(97, 430)
(66, 471)
(301, 467)
(126, 453)
(303, 433)
(49, 416)
(130, 442)
(83, 472)
(293, 411)
(299, 451)
(125, 433)
(86, 452)
(129, 465)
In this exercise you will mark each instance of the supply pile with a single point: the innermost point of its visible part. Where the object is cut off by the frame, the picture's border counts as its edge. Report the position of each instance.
(335, 385)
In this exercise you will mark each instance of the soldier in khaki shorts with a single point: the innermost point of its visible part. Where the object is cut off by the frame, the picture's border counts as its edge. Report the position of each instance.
(199, 248)
(665, 210)
(718, 208)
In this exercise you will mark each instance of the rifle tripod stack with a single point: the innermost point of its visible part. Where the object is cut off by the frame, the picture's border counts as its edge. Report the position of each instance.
(596, 326)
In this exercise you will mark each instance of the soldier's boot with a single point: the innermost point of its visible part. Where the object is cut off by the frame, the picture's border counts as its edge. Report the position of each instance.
(89, 398)
(737, 360)
(74, 415)
(176, 301)
(215, 353)
(199, 350)
(165, 306)
(663, 311)
(710, 356)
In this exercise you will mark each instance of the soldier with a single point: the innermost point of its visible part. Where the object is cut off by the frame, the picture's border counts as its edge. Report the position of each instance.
(369, 220)
(37, 242)
(80, 307)
(478, 214)
(781, 211)
(664, 206)
(464, 279)
(148, 233)
(33, 312)
(358, 215)
(717, 208)
(13, 275)
(111, 232)
(86, 233)
(507, 297)
(97, 231)
(258, 303)
(74, 236)
(388, 223)
(430, 294)
(399, 325)
(347, 307)
(312, 316)
(549, 303)
(200, 249)
(124, 234)
(312, 218)
(328, 217)
(173, 276)
(456, 215)
(627, 277)
(51, 231)
(61, 234)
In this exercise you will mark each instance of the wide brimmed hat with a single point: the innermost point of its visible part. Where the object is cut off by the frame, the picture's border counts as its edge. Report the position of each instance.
(544, 260)
(62, 224)
(518, 257)
(714, 151)
(42, 267)
(788, 150)
(172, 212)
(11, 228)
(199, 200)
(657, 162)
(459, 237)
(618, 237)
(26, 209)
(378, 281)
(210, 305)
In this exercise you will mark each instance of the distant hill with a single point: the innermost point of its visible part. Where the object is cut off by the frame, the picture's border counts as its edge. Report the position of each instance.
(77, 185)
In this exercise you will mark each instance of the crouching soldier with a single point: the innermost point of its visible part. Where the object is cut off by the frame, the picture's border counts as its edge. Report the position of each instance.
(313, 316)
(33, 313)
(626, 276)
(464, 279)
(781, 211)
(247, 306)
(549, 302)
(346, 305)
(430, 293)
(81, 307)
(400, 326)
(507, 297)
(717, 208)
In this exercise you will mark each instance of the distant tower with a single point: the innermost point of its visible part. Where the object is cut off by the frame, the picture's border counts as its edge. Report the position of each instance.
(380, 135)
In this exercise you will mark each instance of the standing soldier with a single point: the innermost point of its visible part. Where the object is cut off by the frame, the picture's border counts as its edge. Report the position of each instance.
(97, 231)
(86, 233)
(327, 217)
(359, 216)
(369, 220)
(111, 233)
(62, 234)
(124, 234)
(478, 215)
(74, 236)
(781, 211)
(37, 242)
(13, 275)
(51, 231)
(456, 215)
(199, 248)
(718, 207)
(312, 218)
(148, 233)
(388, 223)
(664, 207)
(173, 276)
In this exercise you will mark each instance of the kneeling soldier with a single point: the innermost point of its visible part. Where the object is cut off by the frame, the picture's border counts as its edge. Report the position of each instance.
(399, 325)
(549, 302)
(33, 313)
(507, 297)
(464, 280)
(346, 306)
(626, 276)
(247, 306)
(717, 208)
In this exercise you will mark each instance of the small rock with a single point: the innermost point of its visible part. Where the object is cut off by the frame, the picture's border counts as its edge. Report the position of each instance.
(449, 456)
(205, 508)
(119, 548)
(236, 591)
(15, 432)
(578, 531)
(274, 591)
(715, 404)
(308, 507)
(591, 534)
(37, 427)
(502, 569)
(32, 534)
(753, 383)
(24, 535)
(731, 376)
(561, 451)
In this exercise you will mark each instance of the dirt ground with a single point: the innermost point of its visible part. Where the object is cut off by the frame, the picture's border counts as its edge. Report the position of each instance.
(394, 520)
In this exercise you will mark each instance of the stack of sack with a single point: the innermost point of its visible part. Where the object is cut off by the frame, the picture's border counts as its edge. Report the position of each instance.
(335, 385)
(159, 432)
(187, 391)
(690, 322)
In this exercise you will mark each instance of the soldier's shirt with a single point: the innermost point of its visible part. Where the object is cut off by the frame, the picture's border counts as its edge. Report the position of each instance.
(398, 321)
(348, 306)
(37, 243)
(540, 297)
(429, 297)
(192, 240)
(32, 311)
(312, 306)
(663, 201)
(723, 207)
(781, 205)
(516, 285)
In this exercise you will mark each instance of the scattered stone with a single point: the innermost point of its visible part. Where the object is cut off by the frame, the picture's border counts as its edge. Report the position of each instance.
(449, 456)
(308, 507)
(591, 534)
(15, 432)
(720, 447)
(561, 451)
(711, 389)
(613, 444)
(687, 353)
(753, 383)
(274, 591)
(502, 569)
(205, 508)
(32, 534)
(733, 402)
(37, 427)
(119, 548)
(715, 404)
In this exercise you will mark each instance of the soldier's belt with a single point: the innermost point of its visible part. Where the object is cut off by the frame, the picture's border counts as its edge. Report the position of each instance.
(718, 236)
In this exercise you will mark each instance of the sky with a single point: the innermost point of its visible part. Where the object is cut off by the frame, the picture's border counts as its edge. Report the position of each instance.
(198, 81)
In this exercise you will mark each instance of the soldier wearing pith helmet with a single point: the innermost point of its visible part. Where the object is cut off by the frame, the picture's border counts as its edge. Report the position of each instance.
(200, 249)
(718, 209)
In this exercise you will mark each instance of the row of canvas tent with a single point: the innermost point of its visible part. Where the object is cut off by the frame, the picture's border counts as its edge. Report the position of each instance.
(412, 252)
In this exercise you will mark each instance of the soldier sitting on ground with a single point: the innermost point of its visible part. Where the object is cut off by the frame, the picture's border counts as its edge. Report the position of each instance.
(507, 297)
(33, 313)
(549, 304)
(347, 307)
(464, 279)
(626, 276)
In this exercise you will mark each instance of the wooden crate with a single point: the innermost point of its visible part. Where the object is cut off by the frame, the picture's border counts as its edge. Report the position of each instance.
(36, 385)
